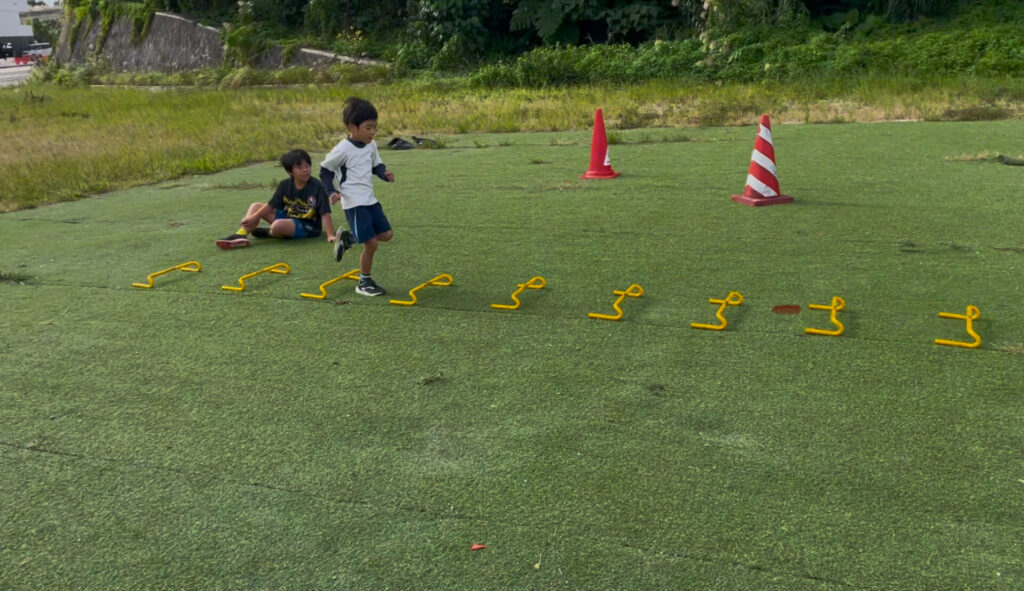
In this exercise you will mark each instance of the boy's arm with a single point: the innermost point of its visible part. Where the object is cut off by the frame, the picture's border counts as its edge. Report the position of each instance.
(257, 215)
(328, 226)
(276, 202)
(334, 161)
(379, 168)
(327, 180)
(383, 172)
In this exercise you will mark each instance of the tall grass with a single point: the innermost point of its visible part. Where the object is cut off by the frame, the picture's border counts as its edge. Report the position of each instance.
(63, 143)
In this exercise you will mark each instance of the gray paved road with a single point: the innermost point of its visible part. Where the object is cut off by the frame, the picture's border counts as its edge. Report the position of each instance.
(14, 76)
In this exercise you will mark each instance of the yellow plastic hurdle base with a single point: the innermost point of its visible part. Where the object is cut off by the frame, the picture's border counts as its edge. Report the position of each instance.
(191, 267)
(353, 275)
(733, 299)
(633, 291)
(534, 283)
(837, 305)
(972, 314)
(442, 280)
(279, 268)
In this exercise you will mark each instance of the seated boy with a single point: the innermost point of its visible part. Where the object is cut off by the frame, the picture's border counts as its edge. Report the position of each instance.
(298, 208)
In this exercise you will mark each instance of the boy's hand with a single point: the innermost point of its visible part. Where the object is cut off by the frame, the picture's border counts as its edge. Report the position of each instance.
(390, 176)
(330, 237)
(334, 198)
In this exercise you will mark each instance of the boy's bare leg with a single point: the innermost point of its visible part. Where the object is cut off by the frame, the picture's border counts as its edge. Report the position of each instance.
(366, 258)
(369, 248)
(282, 228)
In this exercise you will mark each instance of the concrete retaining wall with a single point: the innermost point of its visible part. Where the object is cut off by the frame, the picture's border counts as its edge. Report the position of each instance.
(173, 43)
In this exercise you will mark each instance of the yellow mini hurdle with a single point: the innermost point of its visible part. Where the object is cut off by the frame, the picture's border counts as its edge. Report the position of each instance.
(191, 267)
(279, 268)
(353, 275)
(633, 291)
(534, 283)
(837, 305)
(972, 314)
(442, 280)
(733, 299)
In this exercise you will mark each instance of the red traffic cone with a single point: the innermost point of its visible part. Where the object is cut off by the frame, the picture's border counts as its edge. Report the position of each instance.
(600, 163)
(762, 179)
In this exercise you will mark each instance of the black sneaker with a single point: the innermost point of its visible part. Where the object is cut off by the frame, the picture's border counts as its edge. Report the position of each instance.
(261, 232)
(232, 241)
(367, 287)
(343, 240)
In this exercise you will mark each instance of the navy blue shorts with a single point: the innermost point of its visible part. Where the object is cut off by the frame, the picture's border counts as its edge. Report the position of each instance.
(303, 228)
(366, 221)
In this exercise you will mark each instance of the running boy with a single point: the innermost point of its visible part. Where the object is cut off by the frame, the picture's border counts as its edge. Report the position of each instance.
(298, 208)
(347, 172)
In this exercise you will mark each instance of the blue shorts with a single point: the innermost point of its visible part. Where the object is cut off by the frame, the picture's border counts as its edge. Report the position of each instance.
(366, 221)
(303, 228)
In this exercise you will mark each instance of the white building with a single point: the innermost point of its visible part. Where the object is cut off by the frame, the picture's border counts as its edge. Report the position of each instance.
(12, 32)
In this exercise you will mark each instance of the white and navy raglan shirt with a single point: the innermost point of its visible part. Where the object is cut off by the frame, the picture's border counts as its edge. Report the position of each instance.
(349, 169)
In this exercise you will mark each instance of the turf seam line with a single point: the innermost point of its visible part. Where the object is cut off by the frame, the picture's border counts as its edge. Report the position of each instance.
(125, 464)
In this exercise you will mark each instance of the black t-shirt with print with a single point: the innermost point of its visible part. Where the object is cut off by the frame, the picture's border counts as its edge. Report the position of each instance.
(307, 204)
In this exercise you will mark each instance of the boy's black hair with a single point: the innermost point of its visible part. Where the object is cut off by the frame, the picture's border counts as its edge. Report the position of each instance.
(358, 110)
(295, 157)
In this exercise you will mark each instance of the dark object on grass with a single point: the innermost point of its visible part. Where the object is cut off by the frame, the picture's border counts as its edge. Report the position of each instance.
(1010, 161)
(425, 142)
(400, 144)
(786, 309)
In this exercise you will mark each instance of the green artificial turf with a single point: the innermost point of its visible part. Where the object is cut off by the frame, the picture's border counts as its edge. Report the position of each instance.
(188, 437)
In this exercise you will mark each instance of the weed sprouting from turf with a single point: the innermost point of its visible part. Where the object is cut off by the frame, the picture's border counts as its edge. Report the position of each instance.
(36, 444)
(431, 379)
(1015, 349)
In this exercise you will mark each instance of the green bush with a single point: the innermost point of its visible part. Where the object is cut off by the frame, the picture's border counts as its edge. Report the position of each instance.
(409, 55)
(294, 75)
(561, 66)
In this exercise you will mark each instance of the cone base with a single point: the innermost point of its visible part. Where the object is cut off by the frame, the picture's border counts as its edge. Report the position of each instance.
(600, 174)
(759, 201)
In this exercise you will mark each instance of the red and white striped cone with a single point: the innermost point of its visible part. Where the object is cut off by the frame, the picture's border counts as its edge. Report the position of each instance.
(763, 178)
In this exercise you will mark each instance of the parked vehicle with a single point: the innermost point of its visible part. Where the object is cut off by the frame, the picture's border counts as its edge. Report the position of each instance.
(38, 52)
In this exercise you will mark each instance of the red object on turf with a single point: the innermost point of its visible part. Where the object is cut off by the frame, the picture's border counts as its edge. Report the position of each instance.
(763, 178)
(478, 547)
(229, 244)
(600, 163)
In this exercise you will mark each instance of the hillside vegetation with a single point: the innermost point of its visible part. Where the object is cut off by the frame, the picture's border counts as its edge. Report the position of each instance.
(501, 43)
